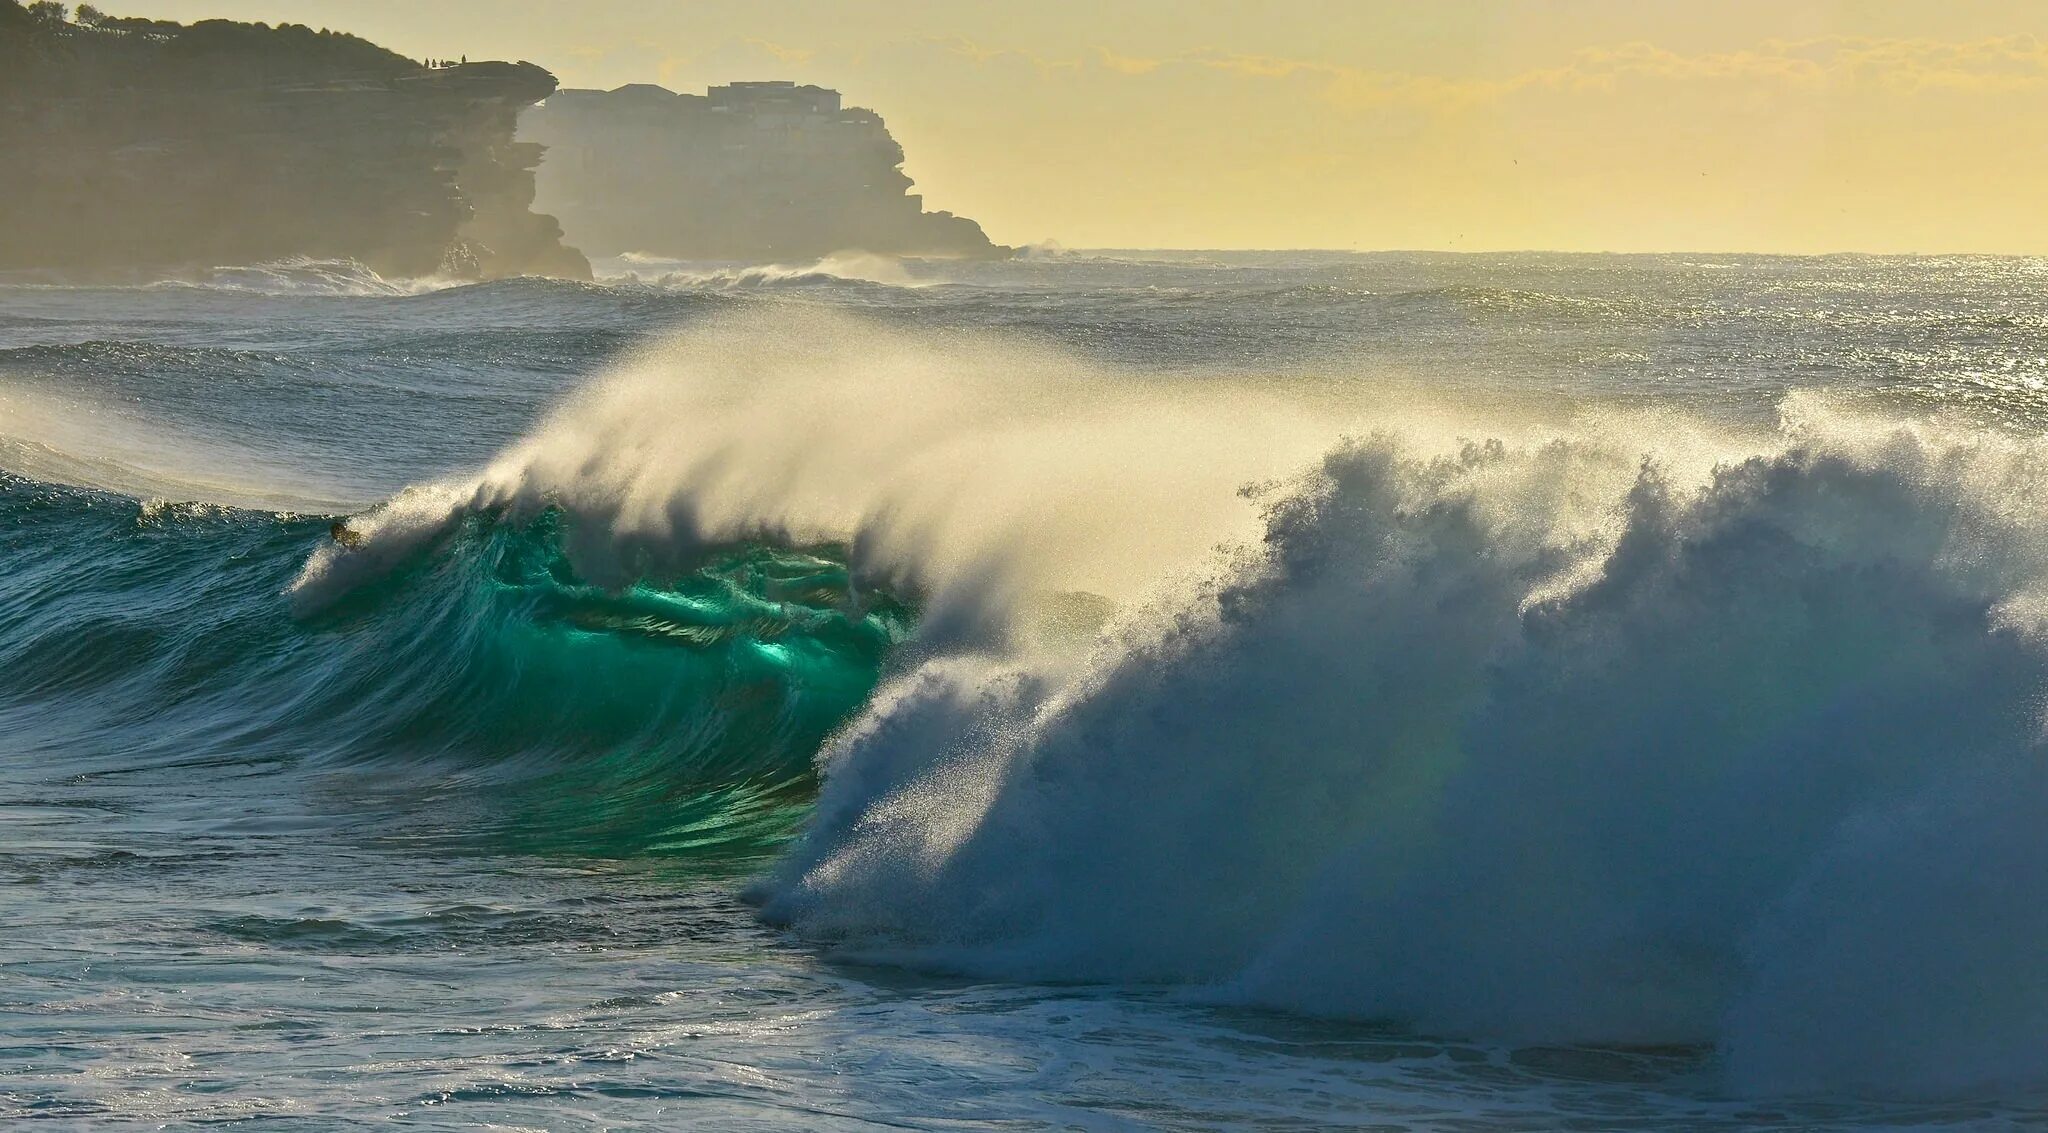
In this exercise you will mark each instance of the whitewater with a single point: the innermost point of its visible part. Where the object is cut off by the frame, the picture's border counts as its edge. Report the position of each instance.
(1115, 690)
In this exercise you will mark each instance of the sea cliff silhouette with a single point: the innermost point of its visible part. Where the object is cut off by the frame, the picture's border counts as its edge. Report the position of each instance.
(755, 171)
(144, 146)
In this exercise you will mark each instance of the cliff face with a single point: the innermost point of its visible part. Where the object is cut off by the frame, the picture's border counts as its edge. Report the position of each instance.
(146, 145)
(750, 171)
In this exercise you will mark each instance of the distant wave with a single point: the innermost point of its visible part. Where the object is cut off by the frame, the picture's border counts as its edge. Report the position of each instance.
(303, 276)
(300, 276)
(840, 267)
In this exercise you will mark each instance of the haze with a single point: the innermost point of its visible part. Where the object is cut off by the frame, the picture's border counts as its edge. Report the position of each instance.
(1582, 125)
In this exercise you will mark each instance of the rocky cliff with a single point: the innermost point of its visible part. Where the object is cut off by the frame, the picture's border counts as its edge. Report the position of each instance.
(767, 171)
(135, 145)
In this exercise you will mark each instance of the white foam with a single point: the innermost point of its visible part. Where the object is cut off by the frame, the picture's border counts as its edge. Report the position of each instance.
(306, 276)
(1533, 743)
(1621, 730)
(846, 266)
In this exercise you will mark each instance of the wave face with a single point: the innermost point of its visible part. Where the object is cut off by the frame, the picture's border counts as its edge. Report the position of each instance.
(676, 714)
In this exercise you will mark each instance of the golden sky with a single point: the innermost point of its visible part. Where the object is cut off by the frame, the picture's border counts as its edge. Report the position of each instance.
(1621, 125)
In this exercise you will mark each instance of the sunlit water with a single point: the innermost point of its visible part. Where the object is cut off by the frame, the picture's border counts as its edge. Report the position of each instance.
(475, 841)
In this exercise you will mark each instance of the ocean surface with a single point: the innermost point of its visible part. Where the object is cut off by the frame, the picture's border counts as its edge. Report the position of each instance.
(1099, 691)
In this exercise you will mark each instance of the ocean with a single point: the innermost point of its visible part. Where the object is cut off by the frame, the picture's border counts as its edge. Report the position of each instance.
(1094, 691)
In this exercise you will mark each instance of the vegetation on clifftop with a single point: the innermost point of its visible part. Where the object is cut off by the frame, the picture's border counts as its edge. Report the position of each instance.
(145, 144)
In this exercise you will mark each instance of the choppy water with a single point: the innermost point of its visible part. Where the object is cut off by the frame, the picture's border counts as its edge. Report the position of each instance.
(1089, 692)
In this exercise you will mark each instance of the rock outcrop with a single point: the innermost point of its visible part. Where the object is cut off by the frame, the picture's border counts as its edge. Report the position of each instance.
(765, 171)
(136, 146)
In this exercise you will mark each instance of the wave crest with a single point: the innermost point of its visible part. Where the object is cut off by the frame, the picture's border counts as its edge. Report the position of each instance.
(838, 268)
(308, 276)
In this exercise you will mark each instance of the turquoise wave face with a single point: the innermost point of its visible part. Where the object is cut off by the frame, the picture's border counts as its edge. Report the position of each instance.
(676, 715)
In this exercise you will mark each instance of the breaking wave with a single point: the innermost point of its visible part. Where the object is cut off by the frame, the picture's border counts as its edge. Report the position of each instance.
(838, 268)
(1620, 729)
(298, 276)
(1541, 742)
(1625, 731)
(303, 276)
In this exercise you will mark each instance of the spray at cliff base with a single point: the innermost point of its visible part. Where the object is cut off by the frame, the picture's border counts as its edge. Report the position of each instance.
(1086, 691)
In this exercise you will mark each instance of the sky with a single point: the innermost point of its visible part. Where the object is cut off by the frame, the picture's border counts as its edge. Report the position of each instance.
(1575, 125)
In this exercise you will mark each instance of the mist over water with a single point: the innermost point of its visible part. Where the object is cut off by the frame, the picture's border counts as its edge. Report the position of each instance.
(1211, 690)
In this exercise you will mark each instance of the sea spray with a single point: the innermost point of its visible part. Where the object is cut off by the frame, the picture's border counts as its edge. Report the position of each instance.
(1539, 734)
(1445, 751)
(977, 471)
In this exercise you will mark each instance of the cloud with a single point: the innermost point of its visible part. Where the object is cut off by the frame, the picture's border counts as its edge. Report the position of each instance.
(968, 49)
(780, 53)
(1835, 63)
(2002, 63)
(1127, 64)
